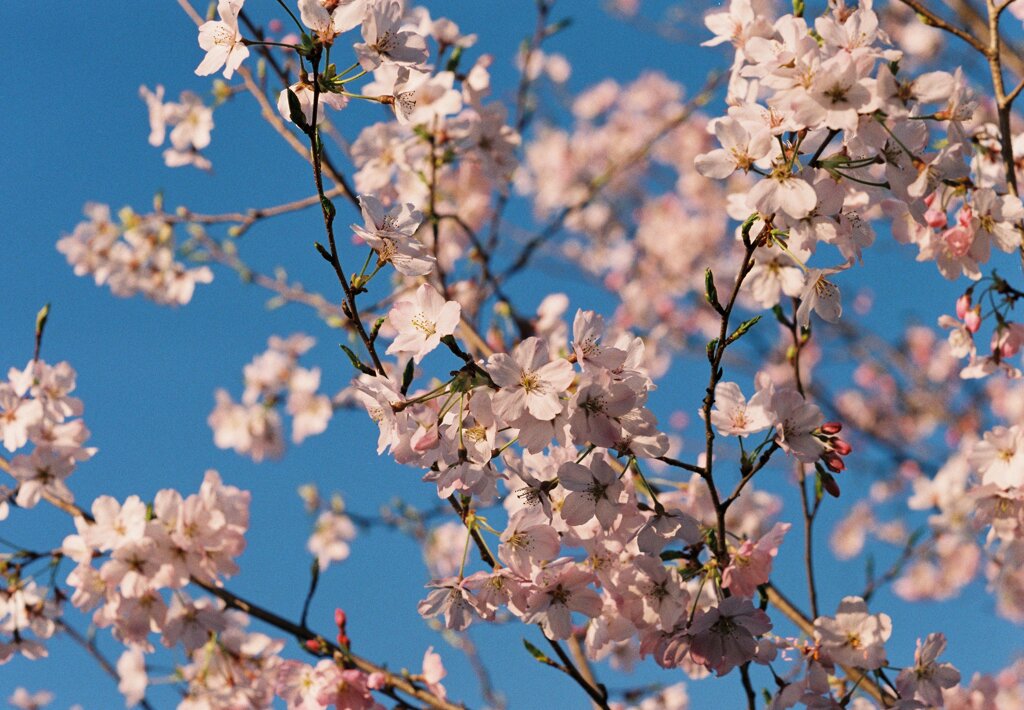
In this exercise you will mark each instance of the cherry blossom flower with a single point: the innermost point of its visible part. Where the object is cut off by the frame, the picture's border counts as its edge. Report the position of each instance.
(390, 234)
(751, 564)
(131, 671)
(433, 672)
(222, 41)
(561, 588)
(422, 322)
(331, 535)
(528, 540)
(926, 679)
(740, 149)
(999, 457)
(796, 421)
(311, 412)
(451, 600)
(594, 492)
(821, 296)
(422, 98)
(24, 700)
(853, 637)
(342, 16)
(734, 415)
(723, 635)
(530, 381)
(384, 40)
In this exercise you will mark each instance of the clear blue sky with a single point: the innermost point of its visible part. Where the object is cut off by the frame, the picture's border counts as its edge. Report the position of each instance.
(74, 130)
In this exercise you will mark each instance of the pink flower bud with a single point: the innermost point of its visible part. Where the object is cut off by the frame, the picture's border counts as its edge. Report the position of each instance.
(275, 25)
(964, 216)
(935, 218)
(340, 618)
(831, 428)
(972, 319)
(963, 304)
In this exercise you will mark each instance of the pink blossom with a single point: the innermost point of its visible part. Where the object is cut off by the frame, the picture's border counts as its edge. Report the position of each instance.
(723, 636)
(530, 381)
(222, 41)
(421, 323)
(751, 564)
(853, 637)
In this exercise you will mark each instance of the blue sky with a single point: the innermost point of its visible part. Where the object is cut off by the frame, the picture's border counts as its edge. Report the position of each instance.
(74, 130)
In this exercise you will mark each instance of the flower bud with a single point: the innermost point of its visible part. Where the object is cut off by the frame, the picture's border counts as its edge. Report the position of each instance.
(963, 304)
(841, 447)
(833, 462)
(831, 428)
(972, 319)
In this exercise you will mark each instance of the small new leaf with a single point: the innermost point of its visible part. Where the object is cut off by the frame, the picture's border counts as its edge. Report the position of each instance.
(712, 345)
(295, 111)
(356, 362)
(328, 207)
(41, 317)
(742, 329)
(453, 61)
(711, 293)
(410, 370)
(538, 654)
(375, 331)
(323, 252)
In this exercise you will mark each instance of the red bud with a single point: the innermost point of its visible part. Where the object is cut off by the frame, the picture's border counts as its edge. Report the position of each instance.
(831, 428)
(833, 462)
(841, 447)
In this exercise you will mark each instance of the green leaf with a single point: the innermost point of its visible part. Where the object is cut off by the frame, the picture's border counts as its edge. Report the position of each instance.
(376, 328)
(328, 207)
(410, 370)
(356, 362)
(711, 293)
(712, 344)
(41, 317)
(453, 61)
(323, 252)
(295, 111)
(538, 654)
(556, 27)
(742, 329)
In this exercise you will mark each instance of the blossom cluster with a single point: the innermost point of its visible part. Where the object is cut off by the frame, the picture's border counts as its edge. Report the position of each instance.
(36, 407)
(133, 257)
(830, 129)
(190, 120)
(253, 427)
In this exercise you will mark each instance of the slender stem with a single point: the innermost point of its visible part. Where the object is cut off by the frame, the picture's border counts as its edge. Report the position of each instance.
(715, 354)
(349, 306)
(600, 698)
(291, 14)
(808, 515)
(930, 18)
(748, 688)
